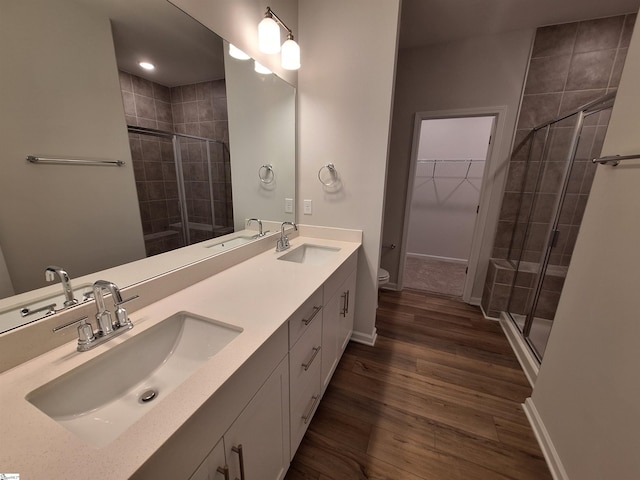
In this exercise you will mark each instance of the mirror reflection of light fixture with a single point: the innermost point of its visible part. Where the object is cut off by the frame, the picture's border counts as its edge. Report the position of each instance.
(258, 67)
(236, 53)
(269, 41)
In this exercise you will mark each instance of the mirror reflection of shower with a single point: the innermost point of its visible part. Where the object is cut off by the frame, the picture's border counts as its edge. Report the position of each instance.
(179, 148)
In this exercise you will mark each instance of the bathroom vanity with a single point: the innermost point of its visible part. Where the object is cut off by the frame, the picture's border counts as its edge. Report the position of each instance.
(284, 319)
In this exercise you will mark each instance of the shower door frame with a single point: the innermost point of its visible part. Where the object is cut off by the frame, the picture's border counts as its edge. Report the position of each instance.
(590, 108)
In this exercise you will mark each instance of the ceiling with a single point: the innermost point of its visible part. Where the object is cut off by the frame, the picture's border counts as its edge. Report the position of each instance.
(429, 22)
(187, 52)
(183, 50)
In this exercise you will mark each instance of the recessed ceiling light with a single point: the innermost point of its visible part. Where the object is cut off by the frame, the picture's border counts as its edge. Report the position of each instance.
(147, 65)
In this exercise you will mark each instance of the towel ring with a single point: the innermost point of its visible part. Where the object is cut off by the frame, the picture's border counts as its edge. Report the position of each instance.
(266, 173)
(333, 174)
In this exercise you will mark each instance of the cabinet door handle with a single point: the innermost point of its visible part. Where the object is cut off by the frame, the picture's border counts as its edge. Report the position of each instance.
(316, 310)
(307, 416)
(348, 300)
(313, 357)
(238, 450)
(225, 471)
(345, 302)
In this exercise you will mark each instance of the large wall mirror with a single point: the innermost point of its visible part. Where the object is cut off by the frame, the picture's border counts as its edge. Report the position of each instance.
(194, 134)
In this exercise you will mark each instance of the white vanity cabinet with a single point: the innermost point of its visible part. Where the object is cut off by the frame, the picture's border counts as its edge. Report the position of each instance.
(338, 315)
(212, 468)
(305, 353)
(256, 446)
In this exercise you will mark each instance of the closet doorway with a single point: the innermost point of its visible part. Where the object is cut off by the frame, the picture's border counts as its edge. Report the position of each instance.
(448, 165)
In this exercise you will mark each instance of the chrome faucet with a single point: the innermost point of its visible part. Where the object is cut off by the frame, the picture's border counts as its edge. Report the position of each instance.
(50, 274)
(107, 328)
(260, 232)
(283, 242)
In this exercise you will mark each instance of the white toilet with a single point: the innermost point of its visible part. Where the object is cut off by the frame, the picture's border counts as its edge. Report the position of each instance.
(383, 277)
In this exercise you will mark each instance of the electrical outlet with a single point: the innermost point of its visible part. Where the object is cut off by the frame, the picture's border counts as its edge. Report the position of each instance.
(288, 205)
(308, 207)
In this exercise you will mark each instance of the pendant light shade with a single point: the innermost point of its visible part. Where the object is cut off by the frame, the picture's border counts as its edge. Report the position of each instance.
(290, 56)
(268, 36)
(269, 40)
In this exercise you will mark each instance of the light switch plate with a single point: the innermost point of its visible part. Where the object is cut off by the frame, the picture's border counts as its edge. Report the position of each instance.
(288, 205)
(308, 207)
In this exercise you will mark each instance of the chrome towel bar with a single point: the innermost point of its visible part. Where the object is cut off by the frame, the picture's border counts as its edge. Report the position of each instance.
(614, 160)
(72, 161)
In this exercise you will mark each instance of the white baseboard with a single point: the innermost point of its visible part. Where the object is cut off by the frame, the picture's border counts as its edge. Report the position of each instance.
(487, 317)
(365, 338)
(475, 301)
(442, 259)
(544, 440)
(527, 361)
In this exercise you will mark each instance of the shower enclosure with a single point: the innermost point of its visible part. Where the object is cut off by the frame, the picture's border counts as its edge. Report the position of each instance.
(184, 188)
(555, 189)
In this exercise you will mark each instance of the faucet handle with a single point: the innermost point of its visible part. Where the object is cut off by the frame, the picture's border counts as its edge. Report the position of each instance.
(85, 330)
(121, 314)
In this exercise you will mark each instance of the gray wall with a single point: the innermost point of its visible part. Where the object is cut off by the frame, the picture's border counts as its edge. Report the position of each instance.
(84, 218)
(345, 97)
(481, 72)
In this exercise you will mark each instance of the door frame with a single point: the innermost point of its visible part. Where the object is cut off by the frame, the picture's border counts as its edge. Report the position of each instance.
(491, 169)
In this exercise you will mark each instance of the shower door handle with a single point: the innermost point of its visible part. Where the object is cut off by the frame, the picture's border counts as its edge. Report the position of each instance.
(555, 235)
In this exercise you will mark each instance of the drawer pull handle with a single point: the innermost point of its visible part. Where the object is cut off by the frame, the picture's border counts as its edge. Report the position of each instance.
(307, 416)
(225, 471)
(313, 357)
(316, 310)
(238, 450)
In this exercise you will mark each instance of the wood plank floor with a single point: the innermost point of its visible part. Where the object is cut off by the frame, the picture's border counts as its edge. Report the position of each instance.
(438, 397)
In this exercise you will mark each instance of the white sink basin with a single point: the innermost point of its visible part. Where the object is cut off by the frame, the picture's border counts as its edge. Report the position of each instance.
(101, 398)
(232, 243)
(309, 253)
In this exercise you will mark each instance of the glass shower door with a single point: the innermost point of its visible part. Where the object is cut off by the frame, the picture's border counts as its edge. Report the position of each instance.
(533, 299)
(555, 189)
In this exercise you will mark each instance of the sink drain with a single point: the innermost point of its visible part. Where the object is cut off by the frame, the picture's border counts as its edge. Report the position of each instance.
(148, 395)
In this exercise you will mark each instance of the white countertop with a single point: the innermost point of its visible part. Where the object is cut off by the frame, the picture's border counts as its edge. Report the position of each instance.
(257, 295)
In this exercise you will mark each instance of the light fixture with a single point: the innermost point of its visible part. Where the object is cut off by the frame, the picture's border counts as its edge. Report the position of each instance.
(147, 65)
(269, 40)
(258, 67)
(236, 53)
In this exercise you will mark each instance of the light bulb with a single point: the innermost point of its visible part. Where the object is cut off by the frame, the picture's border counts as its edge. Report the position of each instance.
(235, 52)
(290, 55)
(147, 65)
(258, 67)
(268, 36)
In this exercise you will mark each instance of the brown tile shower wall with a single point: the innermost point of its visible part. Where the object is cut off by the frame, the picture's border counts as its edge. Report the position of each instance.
(147, 104)
(199, 110)
(571, 64)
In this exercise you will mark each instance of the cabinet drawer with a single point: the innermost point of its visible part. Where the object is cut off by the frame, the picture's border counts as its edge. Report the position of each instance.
(304, 358)
(303, 406)
(309, 313)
